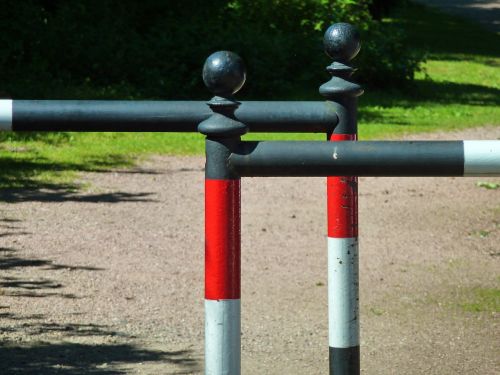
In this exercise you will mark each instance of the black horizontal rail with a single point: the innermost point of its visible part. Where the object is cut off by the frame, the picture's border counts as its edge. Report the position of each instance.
(167, 116)
(368, 158)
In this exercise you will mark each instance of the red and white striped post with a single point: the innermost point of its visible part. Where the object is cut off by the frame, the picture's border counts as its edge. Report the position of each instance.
(222, 276)
(224, 75)
(342, 44)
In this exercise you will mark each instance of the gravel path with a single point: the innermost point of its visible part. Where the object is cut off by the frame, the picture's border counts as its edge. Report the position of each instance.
(486, 12)
(109, 281)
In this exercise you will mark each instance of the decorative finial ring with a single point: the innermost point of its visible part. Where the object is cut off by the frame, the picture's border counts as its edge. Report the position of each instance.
(224, 73)
(342, 42)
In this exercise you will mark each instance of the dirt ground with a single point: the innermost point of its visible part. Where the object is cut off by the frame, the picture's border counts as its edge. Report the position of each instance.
(110, 280)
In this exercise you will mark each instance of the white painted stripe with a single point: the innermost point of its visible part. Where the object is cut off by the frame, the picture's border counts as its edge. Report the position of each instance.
(481, 158)
(222, 337)
(343, 292)
(5, 114)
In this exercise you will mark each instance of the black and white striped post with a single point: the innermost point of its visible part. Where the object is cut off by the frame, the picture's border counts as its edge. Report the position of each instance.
(224, 74)
(342, 43)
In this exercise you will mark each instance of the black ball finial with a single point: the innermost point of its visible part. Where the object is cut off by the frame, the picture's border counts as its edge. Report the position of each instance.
(342, 42)
(224, 73)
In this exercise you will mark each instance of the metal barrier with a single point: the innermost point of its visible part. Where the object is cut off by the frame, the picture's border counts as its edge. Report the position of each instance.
(228, 158)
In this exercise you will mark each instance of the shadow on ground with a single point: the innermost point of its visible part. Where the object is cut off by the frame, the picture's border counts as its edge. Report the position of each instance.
(75, 358)
(64, 357)
(9, 260)
(60, 194)
(20, 179)
(37, 324)
(15, 286)
(58, 353)
(22, 176)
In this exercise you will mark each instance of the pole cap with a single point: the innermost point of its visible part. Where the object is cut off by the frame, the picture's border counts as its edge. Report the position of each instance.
(342, 42)
(224, 73)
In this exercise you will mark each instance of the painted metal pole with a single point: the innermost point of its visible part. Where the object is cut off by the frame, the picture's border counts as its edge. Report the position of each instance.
(159, 116)
(342, 43)
(366, 158)
(224, 74)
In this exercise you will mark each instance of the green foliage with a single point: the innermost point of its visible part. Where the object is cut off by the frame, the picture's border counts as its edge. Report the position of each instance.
(155, 49)
(380, 8)
(387, 60)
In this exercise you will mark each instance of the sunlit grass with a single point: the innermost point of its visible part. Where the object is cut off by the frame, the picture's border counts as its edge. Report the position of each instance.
(448, 95)
(482, 300)
(459, 85)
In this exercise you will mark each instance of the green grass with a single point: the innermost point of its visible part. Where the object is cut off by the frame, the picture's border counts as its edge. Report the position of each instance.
(52, 160)
(48, 161)
(482, 300)
(458, 88)
(488, 185)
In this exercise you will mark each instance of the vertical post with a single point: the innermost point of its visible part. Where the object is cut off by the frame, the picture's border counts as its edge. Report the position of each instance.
(342, 43)
(224, 74)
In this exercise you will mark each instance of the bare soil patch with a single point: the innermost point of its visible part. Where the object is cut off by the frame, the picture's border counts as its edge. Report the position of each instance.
(110, 280)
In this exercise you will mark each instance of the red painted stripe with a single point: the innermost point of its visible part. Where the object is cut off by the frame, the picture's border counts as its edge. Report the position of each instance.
(222, 239)
(342, 200)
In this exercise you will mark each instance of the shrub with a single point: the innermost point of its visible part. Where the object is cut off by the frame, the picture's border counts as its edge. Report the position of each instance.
(155, 49)
(379, 8)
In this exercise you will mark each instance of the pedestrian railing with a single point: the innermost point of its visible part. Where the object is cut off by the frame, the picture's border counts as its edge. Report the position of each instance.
(228, 158)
